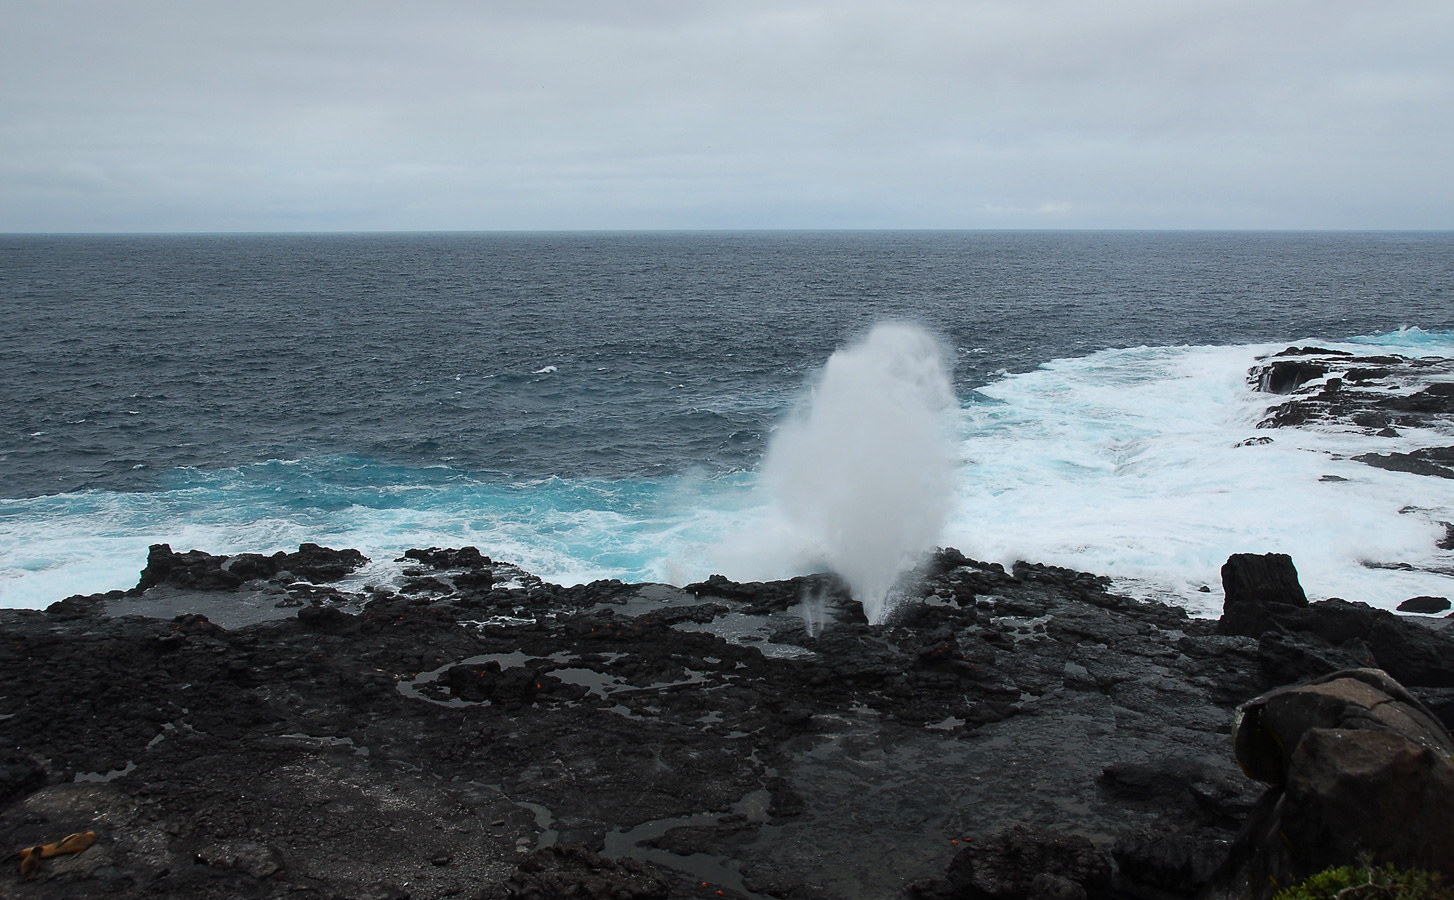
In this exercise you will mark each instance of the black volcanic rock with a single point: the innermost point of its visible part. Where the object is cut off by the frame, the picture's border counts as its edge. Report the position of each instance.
(436, 739)
(1013, 865)
(1302, 640)
(1155, 862)
(1378, 393)
(566, 872)
(1433, 461)
(199, 571)
(315, 563)
(194, 569)
(1411, 653)
(1284, 376)
(1258, 589)
(1265, 578)
(19, 775)
(463, 558)
(1425, 605)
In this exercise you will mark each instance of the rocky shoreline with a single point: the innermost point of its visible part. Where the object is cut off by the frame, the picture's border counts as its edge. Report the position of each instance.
(477, 732)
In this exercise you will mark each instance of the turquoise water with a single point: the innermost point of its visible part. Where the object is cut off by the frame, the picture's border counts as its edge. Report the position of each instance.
(599, 405)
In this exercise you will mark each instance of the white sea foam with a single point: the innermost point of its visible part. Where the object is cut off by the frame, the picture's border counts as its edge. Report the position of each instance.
(860, 475)
(1123, 462)
(1127, 463)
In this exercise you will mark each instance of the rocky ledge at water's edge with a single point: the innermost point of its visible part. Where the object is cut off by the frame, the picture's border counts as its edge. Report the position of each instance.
(473, 731)
(1379, 395)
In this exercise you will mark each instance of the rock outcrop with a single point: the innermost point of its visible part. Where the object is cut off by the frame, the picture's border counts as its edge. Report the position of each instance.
(1359, 768)
(199, 571)
(426, 736)
(1299, 640)
(1378, 394)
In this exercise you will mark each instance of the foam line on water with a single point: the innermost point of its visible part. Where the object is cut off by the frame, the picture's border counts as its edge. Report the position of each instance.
(569, 531)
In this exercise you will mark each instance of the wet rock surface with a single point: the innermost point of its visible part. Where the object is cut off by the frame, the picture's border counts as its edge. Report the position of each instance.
(1377, 394)
(435, 736)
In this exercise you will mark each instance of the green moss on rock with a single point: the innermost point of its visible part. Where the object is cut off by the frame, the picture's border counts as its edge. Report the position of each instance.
(1365, 883)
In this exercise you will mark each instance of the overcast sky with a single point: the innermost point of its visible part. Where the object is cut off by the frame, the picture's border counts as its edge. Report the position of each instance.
(302, 116)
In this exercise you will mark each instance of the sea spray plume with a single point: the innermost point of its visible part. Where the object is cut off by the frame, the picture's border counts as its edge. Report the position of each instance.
(814, 609)
(862, 471)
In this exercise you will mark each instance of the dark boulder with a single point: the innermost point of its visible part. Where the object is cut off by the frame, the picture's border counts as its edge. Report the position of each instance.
(1375, 792)
(463, 558)
(1412, 653)
(1257, 589)
(1156, 861)
(1425, 605)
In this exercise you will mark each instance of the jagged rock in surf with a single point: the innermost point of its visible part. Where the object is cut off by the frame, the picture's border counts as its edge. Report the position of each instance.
(1425, 605)
(449, 558)
(1377, 393)
(1435, 461)
(200, 571)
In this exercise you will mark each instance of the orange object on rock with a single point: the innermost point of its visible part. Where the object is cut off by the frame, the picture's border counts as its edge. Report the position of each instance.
(30, 857)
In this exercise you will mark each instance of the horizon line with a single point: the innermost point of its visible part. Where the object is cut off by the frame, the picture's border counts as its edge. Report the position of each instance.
(666, 231)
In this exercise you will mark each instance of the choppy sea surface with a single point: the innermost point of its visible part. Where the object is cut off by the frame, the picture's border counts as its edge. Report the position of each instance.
(597, 405)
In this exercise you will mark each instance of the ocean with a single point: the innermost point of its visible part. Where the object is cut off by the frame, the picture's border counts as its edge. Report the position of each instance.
(599, 405)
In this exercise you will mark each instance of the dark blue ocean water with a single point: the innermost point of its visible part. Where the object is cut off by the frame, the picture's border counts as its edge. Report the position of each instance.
(593, 355)
(463, 385)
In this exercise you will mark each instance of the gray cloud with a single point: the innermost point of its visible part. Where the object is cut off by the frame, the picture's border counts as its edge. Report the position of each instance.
(445, 115)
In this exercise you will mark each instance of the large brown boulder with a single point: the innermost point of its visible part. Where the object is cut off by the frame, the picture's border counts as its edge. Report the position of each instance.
(1267, 730)
(1357, 766)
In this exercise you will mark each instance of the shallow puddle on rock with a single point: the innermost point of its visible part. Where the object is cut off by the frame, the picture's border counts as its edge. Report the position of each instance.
(325, 742)
(703, 867)
(105, 776)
